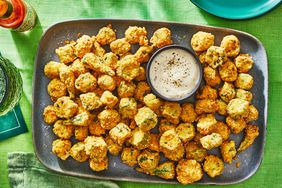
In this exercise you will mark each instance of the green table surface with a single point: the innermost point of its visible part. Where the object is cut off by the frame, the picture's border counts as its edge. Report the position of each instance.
(21, 49)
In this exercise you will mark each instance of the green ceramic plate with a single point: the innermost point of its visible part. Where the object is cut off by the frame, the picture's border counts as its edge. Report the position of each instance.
(236, 9)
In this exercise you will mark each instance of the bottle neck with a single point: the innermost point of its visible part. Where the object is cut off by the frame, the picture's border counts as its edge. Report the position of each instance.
(6, 9)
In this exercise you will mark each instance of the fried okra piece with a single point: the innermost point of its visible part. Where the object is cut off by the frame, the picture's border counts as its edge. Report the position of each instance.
(61, 148)
(222, 107)
(66, 53)
(90, 101)
(134, 34)
(195, 151)
(67, 76)
(231, 44)
(65, 108)
(228, 151)
(86, 82)
(238, 108)
(206, 106)
(63, 129)
(51, 69)
(165, 125)
(77, 152)
(213, 166)
(216, 56)
(211, 76)
(188, 171)
(106, 82)
(141, 90)
(81, 119)
(120, 46)
(227, 92)
(244, 63)
(49, 114)
(185, 131)
(253, 114)
(83, 46)
(171, 145)
(109, 99)
(152, 102)
(228, 72)
(171, 111)
(120, 133)
(243, 94)
(95, 128)
(78, 68)
(96, 148)
(211, 141)
(142, 55)
(129, 156)
(202, 57)
(108, 118)
(132, 124)
(165, 170)
(206, 92)
(188, 114)
(142, 75)
(126, 89)
(236, 125)
(140, 139)
(99, 165)
(154, 143)
(106, 35)
(148, 160)
(96, 63)
(98, 50)
(112, 146)
(128, 108)
(244, 81)
(222, 129)
(128, 68)
(205, 124)
(111, 60)
(161, 38)
(201, 41)
(146, 119)
(251, 132)
(56, 89)
(81, 132)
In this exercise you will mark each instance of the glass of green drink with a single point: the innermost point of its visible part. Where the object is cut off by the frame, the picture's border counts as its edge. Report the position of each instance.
(10, 85)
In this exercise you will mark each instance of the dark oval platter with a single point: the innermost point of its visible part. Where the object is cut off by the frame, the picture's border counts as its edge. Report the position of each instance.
(181, 34)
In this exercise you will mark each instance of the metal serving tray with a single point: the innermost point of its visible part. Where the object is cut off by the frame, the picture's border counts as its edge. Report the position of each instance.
(181, 34)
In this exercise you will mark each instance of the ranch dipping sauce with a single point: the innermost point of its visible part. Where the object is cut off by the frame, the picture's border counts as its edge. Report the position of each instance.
(174, 73)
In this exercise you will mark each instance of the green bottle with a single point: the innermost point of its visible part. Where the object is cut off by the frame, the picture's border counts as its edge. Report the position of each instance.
(10, 85)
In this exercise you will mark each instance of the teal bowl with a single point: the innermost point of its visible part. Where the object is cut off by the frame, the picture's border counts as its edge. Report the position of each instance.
(237, 9)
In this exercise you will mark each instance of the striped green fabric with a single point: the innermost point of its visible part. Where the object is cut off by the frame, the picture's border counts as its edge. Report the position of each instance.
(25, 171)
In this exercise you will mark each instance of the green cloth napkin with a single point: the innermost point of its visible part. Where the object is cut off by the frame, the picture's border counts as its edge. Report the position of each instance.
(25, 171)
(12, 124)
